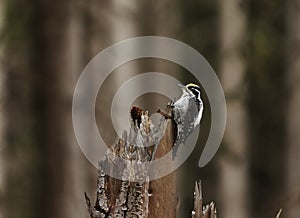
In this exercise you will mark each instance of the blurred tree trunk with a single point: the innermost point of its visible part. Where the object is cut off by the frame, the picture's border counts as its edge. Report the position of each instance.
(293, 119)
(52, 105)
(20, 145)
(266, 104)
(79, 170)
(124, 25)
(124, 22)
(233, 162)
(2, 144)
(2, 122)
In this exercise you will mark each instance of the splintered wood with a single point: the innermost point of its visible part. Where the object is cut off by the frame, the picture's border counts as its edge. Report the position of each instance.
(128, 197)
(127, 193)
(200, 211)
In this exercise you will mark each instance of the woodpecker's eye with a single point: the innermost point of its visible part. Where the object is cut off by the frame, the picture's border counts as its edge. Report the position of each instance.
(195, 90)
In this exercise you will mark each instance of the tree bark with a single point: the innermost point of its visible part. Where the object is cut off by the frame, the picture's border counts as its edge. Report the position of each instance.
(163, 202)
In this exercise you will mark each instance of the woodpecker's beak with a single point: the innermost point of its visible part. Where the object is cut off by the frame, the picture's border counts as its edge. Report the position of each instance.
(181, 86)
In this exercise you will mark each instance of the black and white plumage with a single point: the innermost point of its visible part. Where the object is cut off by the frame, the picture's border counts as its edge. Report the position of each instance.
(187, 113)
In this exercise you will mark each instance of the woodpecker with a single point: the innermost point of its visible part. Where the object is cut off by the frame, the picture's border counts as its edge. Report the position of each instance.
(186, 113)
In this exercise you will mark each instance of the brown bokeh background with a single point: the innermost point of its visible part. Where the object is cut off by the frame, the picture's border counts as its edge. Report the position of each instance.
(253, 46)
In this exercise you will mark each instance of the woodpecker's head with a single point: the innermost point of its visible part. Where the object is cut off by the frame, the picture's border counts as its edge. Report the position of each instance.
(191, 89)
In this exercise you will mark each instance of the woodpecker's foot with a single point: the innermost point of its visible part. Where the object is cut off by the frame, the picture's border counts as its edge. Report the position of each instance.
(166, 115)
(171, 104)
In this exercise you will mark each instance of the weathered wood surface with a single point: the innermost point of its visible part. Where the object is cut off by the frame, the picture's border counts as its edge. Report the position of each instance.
(134, 195)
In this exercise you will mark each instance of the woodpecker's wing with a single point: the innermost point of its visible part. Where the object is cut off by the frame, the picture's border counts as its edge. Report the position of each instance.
(184, 121)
